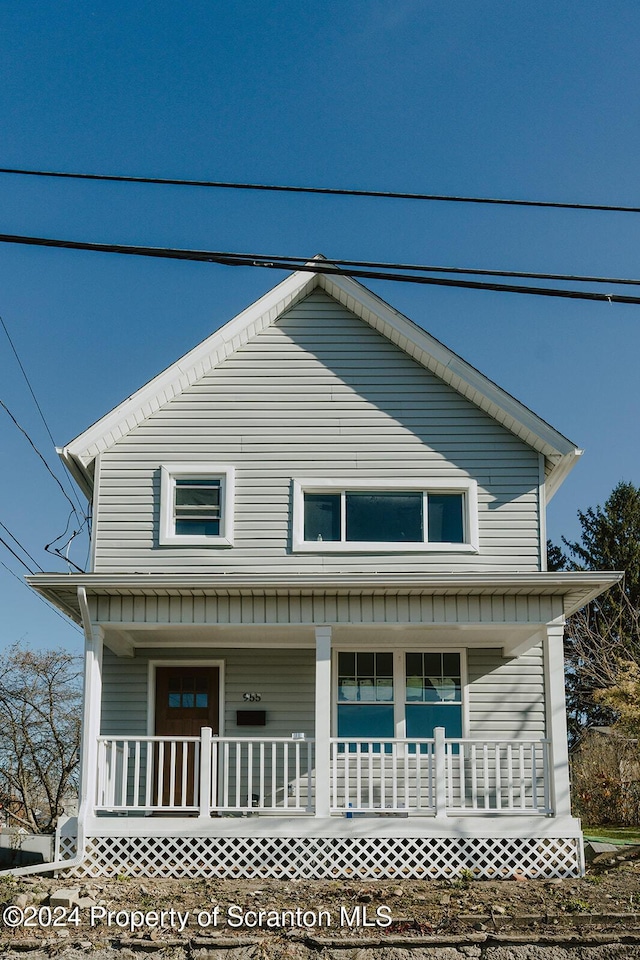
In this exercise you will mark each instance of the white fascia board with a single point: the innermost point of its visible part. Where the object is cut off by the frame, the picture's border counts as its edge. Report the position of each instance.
(578, 588)
(191, 367)
(416, 342)
(559, 472)
(450, 367)
(80, 473)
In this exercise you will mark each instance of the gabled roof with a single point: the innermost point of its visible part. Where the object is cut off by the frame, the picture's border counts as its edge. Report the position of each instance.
(559, 452)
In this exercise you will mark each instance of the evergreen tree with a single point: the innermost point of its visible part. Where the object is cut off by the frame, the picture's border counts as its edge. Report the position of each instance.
(602, 642)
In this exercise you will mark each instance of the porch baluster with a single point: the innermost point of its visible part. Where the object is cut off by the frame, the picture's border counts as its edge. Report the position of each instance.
(441, 778)
(204, 792)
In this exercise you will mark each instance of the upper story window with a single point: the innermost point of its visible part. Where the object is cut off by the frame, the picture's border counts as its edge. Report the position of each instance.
(196, 504)
(397, 517)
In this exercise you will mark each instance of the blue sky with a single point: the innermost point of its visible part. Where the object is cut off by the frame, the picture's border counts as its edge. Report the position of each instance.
(505, 99)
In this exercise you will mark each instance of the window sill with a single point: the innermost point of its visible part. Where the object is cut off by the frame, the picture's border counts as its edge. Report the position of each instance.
(334, 546)
(186, 541)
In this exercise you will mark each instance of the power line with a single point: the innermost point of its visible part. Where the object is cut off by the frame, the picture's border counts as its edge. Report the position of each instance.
(35, 399)
(23, 548)
(14, 554)
(48, 468)
(42, 599)
(383, 271)
(327, 191)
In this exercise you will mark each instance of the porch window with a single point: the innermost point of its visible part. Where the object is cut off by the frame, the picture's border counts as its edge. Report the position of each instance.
(196, 505)
(365, 695)
(433, 694)
(440, 517)
(386, 695)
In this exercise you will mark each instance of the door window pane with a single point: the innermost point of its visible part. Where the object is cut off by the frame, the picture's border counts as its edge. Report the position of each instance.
(186, 691)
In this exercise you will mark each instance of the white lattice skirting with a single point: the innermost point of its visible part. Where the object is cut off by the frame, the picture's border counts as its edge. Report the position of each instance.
(325, 858)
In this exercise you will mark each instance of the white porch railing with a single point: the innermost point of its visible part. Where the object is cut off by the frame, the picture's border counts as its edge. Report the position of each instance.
(494, 776)
(148, 774)
(422, 777)
(204, 774)
(440, 776)
(262, 775)
(373, 776)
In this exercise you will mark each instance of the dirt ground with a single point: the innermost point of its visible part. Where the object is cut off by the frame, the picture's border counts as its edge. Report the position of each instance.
(607, 899)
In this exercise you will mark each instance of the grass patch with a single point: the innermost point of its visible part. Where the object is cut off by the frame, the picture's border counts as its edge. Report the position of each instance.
(613, 834)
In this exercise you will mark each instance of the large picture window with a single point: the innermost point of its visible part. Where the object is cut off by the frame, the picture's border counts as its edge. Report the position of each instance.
(439, 517)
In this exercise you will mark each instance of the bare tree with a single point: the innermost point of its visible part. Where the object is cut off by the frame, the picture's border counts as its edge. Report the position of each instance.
(602, 642)
(40, 710)
(601, 651)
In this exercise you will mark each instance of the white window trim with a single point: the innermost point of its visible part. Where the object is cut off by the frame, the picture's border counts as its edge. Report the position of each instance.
(400, 680)
(169, 473)
(445, 485)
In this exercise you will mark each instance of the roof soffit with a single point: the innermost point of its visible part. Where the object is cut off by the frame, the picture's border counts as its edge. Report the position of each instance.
(576, 588)
(560, 453)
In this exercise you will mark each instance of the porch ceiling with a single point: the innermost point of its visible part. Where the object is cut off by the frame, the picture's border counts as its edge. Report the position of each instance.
(574, 589)
(514, 639)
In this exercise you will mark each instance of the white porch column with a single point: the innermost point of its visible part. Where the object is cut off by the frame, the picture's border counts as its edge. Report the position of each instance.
(556, 719)
(92, 700)
(323, 721)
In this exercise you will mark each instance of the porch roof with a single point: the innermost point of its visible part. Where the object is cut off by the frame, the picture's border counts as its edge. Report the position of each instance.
(575, 588)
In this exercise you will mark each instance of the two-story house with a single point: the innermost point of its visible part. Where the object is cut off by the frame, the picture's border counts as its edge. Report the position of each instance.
(321, 640)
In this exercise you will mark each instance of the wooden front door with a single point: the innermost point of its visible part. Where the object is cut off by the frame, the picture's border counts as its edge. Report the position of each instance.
(187, 699)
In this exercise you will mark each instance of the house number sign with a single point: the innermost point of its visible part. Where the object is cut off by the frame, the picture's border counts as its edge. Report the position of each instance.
(252, 697)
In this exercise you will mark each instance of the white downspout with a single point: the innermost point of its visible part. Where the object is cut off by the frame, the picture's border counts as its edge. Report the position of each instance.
(92, 667)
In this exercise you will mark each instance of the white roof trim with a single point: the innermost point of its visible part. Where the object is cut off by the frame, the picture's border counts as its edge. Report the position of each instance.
(421, 346)
(576, 587)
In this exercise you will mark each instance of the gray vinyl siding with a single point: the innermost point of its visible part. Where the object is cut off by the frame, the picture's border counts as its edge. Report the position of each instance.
(319, 394)
(285, 680)
(124, 696)
(506, 696)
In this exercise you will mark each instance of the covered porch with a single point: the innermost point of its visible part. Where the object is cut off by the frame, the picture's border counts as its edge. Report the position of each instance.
(494, 779)
(342, 754)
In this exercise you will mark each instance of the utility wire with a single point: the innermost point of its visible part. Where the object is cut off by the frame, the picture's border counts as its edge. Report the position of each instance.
(297, 263)
(24, 549)
(42, 599)
(48, 468)
(13, 553)
(331, 191)
(35, 400)
(385, 272)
